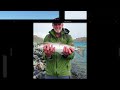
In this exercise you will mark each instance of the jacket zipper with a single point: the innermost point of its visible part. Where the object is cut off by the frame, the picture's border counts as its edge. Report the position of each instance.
(56, 58)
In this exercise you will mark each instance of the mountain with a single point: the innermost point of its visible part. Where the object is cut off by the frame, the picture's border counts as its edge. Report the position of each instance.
(37, 39)
(81, 39)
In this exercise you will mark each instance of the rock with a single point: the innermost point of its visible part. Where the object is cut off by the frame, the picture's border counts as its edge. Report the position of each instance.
(41, 58)
(35, 57)
(39, 54)
(41, 76)
(41, 66)
(78, 71)
(34, 77)
(81, 39)
(43, 61)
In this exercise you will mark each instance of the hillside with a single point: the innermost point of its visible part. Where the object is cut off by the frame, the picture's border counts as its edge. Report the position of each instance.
(37, 39)
(81, 39)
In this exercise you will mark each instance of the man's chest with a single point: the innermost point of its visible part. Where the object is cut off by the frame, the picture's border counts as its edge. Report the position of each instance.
(61, 40)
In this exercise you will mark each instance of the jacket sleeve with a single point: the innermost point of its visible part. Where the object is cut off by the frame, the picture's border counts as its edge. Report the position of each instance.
(70, 42)
(46, 39)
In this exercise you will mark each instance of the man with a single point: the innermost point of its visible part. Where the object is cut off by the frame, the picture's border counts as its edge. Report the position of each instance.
(58, 66)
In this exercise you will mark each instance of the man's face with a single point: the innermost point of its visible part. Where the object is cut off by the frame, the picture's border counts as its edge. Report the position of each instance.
(57, 27)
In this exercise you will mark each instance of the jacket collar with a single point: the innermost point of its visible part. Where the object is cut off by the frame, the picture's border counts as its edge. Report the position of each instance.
(64, 31)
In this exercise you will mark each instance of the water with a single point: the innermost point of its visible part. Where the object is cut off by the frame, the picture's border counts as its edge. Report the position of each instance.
(79, 63)
(78, 56)
(76, 44)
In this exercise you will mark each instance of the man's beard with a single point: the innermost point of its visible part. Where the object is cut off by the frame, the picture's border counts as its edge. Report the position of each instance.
(58, 31)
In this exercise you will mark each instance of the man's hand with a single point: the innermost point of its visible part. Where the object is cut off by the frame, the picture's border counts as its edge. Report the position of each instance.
(67, 51)
(49, 50)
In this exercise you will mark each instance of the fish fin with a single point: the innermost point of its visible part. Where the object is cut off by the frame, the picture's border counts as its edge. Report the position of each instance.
(80, 50)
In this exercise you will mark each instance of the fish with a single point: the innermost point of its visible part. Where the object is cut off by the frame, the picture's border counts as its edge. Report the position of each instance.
(59, 47)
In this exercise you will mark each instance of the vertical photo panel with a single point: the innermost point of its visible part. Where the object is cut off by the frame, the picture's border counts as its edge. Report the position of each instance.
(60, 63)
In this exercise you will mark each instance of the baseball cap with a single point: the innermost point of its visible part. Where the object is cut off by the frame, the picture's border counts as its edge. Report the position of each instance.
(57, 21)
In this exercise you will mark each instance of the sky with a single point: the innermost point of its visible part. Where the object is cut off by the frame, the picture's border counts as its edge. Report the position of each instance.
(28, 14)
(41, 14)
(76, 29)
(75, 14)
